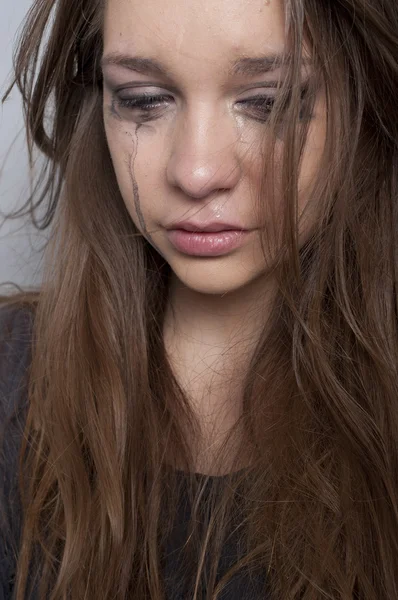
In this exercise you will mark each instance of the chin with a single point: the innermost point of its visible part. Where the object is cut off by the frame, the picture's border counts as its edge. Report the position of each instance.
(211, 283)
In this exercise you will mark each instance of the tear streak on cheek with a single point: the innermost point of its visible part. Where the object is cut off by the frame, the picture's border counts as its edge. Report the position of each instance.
(136, 194)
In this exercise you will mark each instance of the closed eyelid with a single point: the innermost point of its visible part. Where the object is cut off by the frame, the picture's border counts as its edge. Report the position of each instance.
(113, 85)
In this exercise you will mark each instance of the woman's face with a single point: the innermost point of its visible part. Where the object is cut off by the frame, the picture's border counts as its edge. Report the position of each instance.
(191, 150)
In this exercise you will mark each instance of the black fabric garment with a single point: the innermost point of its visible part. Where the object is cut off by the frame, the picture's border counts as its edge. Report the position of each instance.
(15, 357)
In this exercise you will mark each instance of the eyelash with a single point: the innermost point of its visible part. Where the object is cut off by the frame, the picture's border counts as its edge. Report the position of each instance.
(149, 104)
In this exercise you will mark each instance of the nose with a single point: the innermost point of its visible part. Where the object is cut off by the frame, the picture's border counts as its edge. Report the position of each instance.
(204, 156)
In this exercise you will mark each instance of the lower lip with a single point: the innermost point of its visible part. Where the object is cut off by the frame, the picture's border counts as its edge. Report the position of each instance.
(206, 244)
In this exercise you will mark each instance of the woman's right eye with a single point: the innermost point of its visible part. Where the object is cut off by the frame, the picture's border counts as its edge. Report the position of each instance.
(145, 106)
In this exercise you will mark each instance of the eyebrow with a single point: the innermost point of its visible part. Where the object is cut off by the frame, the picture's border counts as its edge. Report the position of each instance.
(249, 66)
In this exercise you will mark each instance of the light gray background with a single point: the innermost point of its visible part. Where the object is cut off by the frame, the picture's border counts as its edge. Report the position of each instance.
(20, 242)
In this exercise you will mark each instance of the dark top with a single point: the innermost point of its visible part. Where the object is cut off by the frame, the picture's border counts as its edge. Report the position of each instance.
(15, 356)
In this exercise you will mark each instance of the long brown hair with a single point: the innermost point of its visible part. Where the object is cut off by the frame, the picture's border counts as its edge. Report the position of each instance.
(318, 505)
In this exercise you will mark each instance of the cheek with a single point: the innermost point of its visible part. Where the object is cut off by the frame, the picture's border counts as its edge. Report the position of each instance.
(122, 150)
(134, 165)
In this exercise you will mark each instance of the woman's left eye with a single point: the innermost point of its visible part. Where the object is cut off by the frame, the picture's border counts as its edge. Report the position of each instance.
(259, 106)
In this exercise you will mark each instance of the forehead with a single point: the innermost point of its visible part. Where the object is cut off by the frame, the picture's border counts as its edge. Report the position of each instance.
(200, 36)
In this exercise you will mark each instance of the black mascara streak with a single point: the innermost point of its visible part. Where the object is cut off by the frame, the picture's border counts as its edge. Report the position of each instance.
(136, 195)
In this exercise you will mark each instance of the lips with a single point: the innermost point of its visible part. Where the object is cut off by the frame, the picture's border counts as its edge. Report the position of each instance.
(206, 244)
(206, 227)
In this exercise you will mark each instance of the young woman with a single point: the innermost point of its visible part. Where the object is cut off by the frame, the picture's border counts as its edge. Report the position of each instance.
(201, 401)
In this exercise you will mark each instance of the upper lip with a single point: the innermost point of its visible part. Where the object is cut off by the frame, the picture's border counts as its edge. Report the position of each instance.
(215, 226)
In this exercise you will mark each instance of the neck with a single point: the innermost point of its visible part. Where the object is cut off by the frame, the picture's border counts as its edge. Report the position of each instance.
(210, 340)
(225, 326)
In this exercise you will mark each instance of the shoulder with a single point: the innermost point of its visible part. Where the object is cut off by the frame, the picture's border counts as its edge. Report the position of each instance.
(16, 324)
(15, 352)
(15, 355)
